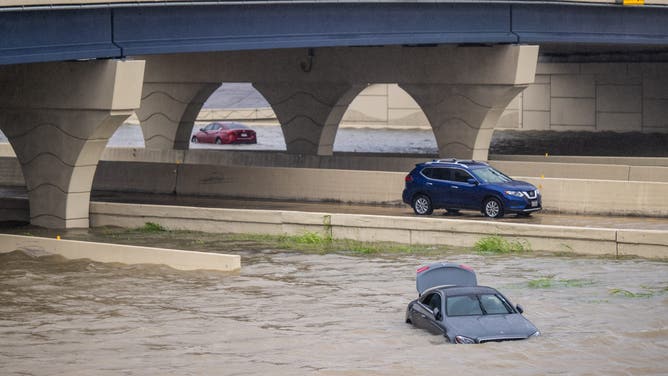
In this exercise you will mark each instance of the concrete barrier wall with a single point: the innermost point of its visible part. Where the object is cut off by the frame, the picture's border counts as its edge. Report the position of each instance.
(373, 187)
(291, 183)
(573, 167)
(603, 197)
(126, 254)
(631, 161)
(616, 197)
(406, 230)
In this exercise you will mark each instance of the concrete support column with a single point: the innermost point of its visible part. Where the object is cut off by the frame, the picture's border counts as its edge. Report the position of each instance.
(169, 111)
(309, 113)
(58, 118)
(463, 117)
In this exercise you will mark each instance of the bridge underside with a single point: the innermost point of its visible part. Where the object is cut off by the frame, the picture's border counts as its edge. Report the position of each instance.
(461, 62)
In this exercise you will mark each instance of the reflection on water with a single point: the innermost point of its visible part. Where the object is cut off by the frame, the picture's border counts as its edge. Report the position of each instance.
(292, 313)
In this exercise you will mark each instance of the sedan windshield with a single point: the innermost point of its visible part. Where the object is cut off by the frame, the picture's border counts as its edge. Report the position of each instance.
(490, 175)
(476, 305)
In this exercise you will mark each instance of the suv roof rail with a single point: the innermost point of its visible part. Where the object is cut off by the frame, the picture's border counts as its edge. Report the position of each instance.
(463, 162)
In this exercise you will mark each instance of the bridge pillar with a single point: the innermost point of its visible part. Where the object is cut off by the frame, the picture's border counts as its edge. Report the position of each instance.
(309, 113)
(58, 118)
(169, 110)
(463, 117)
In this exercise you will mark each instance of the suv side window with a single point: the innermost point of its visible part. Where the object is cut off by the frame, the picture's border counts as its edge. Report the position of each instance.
(428, 172)
(436, 173)
(461, 175)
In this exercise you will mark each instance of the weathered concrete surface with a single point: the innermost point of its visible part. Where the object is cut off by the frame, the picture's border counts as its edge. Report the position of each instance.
(575, 96)
(310, 94)
(561, 195)
(126, 254)
(372, 187)
(169, 109)
(631, 161)
(58, 118)
(233, 174)
(406, 230)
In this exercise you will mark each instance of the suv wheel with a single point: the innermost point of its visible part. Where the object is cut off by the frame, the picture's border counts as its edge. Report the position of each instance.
(422, 205)
(492, 208)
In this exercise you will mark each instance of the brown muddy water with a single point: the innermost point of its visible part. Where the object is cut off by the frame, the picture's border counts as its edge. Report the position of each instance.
(292, 313)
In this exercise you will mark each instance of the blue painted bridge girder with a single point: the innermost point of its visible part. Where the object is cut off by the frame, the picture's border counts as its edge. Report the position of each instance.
(116, 31)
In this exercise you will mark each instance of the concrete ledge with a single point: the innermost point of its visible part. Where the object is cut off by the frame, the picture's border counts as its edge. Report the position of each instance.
(126, 254)
(603, 197)
(631, 161)
(405, 230)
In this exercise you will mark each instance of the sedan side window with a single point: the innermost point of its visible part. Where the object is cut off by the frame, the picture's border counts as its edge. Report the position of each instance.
(432, 301)
(435, 302)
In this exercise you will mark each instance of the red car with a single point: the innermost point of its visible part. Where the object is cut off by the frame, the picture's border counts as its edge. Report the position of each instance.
(225, 133)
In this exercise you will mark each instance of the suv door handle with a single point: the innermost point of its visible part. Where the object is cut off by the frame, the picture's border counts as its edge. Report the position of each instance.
(454, 187)
(428, 183)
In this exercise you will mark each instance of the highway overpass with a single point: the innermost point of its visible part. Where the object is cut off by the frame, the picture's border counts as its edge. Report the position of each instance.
(73, 71)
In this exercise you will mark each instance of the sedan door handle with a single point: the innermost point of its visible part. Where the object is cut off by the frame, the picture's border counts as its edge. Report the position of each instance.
(454, 187)
(428, 183)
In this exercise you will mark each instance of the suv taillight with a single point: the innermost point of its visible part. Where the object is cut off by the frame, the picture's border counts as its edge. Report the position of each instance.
(408, 178)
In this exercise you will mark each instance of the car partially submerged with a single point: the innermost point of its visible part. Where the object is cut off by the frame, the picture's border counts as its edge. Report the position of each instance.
(450, 303)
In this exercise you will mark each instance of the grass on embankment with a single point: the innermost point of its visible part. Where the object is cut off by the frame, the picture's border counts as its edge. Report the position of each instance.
(499, 245)
(155, 235)
(310, 242)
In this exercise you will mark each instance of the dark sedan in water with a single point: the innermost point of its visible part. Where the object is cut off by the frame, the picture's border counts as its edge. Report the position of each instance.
(453, 305)
(225, 133)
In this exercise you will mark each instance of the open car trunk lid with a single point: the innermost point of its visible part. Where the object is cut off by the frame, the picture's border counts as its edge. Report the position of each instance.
(442, 274)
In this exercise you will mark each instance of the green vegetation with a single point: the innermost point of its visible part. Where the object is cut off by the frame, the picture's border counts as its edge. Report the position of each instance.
(541, 283)
(497, 244)
(154, 235)
(550, 282)
(629, 294)
(648, 292)
(152, 227)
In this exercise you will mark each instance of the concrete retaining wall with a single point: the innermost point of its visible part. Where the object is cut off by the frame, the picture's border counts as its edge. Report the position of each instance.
(586, 96)
(406, 230)
(584, 196)
(369, 187)
(126, 254)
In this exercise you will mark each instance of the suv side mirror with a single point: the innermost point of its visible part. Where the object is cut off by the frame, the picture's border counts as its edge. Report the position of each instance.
(472, 181)
(437, 314)
(519, 309)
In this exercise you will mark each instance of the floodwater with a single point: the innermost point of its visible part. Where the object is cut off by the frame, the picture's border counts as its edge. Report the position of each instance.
(289, 313)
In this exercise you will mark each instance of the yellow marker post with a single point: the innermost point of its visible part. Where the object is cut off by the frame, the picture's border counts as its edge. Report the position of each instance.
(57, 237)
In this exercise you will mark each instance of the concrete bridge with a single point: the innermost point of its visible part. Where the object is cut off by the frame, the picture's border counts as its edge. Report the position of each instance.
(73, 71)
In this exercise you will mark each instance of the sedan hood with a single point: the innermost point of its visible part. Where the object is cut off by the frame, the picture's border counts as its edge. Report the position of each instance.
(491, 327)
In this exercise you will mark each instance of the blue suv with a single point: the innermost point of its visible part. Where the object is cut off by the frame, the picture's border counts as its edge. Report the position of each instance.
(453, 184)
